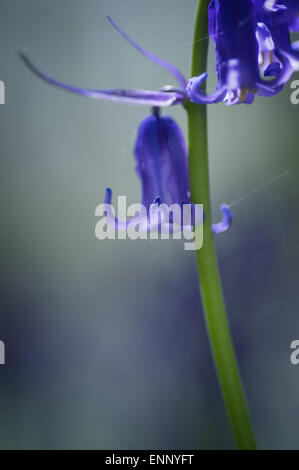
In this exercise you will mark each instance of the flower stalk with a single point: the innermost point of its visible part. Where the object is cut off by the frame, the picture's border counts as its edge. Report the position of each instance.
(210, 282)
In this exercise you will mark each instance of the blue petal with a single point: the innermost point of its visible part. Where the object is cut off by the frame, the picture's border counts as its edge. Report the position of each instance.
(161, 62)
(226, 222)
(273, 70)
(264, 37)
(196, 95)
(272, 87)
(114, 221)
(140, 97)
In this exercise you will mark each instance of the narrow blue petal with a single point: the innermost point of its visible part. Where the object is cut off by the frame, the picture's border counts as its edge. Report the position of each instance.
(226, 222)
(114, 221)
(162, 63)
(144, 224)
(140, 97)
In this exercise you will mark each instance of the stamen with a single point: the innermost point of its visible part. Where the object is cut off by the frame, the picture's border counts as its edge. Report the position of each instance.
(243, 94)
(252, 90)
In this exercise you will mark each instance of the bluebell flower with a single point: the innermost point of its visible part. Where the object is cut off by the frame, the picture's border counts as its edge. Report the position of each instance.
(162, 167)
(232, 25)
(160, 151)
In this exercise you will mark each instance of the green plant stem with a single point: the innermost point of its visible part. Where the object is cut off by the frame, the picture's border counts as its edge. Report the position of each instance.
(210, 283)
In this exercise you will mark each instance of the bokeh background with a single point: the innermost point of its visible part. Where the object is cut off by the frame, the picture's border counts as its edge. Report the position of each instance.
(106, 345)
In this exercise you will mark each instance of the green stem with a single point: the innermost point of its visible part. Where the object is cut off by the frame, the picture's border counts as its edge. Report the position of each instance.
(210, 283)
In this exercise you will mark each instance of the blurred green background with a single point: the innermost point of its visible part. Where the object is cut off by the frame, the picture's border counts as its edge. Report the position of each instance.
(106, 344)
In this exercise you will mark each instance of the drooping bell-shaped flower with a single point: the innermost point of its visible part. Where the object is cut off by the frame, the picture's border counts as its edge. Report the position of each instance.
(162, 167)
(161, 161)
(232, 25)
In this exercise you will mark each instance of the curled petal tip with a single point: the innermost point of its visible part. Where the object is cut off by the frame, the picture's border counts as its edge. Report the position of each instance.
(226, 222)
(194, 83)
(112, 220)
(196, 95)
(108, 196)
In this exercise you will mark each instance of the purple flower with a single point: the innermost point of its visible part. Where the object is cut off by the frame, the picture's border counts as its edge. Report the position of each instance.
(162, 161)
(162, 166)
(232, 25)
